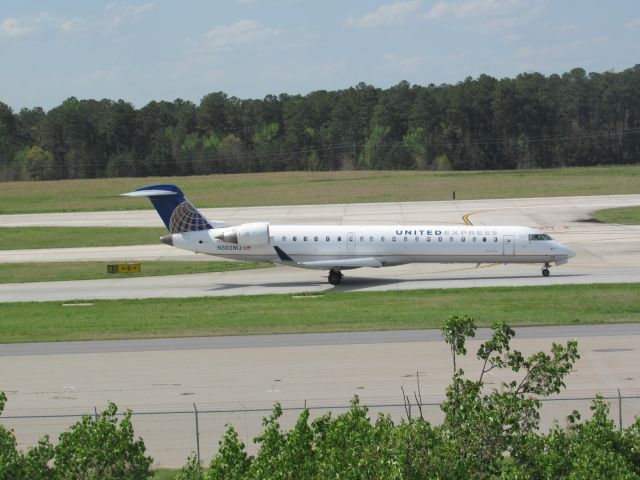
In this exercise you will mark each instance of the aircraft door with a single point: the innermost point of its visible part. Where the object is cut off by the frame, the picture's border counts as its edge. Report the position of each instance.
(508, 244)
(351, 241)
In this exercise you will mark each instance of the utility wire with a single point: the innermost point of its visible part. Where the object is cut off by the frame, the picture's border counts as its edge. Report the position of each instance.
(351, 145)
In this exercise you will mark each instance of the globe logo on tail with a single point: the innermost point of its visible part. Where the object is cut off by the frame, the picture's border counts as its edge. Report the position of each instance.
(185, 218)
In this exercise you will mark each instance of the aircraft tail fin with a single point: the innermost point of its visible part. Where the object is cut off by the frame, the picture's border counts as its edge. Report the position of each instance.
(177, 213)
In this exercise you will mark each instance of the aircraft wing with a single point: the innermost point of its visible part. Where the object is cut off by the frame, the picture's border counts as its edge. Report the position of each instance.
(342, 263)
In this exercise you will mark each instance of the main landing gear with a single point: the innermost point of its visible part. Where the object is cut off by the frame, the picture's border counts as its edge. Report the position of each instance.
(335, 276)
(545, 270)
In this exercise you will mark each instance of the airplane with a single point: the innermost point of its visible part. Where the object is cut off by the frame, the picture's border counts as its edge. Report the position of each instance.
(343, 247)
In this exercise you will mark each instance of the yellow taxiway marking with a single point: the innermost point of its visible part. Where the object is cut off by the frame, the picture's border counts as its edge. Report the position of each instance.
(465, 218)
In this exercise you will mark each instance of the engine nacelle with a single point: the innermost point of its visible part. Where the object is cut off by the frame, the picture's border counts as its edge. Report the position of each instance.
(247, 234)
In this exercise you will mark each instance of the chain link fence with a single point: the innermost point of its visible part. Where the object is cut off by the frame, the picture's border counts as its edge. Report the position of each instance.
(171, 436)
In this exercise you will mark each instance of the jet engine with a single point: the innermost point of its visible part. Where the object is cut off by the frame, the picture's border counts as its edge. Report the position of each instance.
(246, 235)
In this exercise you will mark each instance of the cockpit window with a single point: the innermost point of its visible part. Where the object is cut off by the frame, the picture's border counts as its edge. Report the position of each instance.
(539, 236)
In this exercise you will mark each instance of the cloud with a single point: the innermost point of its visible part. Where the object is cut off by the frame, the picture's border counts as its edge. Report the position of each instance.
(13, 27)
(517, 20)
(118, 14)
(466, 9)
(633, 24)
(400, 63)
(114, 17)
(552, 57)
(385, 14)
(240, 33)
(102, 75)
(494, 16)
(75, 24)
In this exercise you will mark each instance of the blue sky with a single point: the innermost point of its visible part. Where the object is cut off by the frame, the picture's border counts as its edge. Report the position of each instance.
(143, 50)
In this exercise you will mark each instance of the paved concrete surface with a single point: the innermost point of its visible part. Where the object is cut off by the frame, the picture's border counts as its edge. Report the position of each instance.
(298, 340)
(605, 253)
(535, 211)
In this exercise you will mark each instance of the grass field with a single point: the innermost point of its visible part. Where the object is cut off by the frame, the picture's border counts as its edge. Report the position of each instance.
(625, 216)
(301, 188)
(549, 305)
(165, 473)
(71, 237)
(59, 271)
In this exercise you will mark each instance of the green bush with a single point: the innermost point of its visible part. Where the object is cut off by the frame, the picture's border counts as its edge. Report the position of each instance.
(93, 448)
(487, 433)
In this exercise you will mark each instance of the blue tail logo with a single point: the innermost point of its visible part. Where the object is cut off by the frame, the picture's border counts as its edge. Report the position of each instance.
(177, 213)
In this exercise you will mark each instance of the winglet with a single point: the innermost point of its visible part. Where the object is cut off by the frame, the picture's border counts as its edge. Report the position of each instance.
(283, 256)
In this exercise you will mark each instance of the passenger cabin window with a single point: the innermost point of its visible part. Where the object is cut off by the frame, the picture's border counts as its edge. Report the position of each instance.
(315, 239)
(295, 239)
(484, 239)
(393, 239)
(539, 236)
(371, 239)
(463, 239)
(339, 238)
(305, 238)
(417, 239)
(439, 239)
(495, 239)
(328, 238)
(382, 239)
(351, 238)
(284, 238)
(405, 239)
(362, 239)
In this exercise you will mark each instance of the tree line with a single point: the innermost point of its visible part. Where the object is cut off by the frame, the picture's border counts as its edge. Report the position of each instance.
(530, 121)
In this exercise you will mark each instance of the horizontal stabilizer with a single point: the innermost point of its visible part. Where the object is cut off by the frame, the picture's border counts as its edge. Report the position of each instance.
(149, 193)
(177, 213)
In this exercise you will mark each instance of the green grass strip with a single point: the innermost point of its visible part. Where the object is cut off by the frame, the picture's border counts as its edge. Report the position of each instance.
(305, 188)
(625, 216)
(17, 238)
(60, 271)
(165, 473)
(332, 312)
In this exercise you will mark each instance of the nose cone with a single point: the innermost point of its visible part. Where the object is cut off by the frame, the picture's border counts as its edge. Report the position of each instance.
(167, 240)
(568, 252)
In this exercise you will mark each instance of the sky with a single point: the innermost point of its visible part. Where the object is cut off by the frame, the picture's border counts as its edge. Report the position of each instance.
(144, 50)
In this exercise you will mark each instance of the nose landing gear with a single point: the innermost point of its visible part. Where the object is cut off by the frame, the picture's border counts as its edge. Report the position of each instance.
(335, 276)
(545, 270)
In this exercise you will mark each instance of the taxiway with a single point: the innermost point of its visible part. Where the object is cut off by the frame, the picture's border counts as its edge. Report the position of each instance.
(605, 253)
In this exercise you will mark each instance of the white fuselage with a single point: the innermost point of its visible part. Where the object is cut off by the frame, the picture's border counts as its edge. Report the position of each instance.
(388, 245)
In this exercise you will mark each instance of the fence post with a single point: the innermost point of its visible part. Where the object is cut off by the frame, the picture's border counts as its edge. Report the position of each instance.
(619, 409)
(195, 409)
(95, 413)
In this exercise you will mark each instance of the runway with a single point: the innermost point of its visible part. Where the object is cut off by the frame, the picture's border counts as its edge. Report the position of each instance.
(605, 253)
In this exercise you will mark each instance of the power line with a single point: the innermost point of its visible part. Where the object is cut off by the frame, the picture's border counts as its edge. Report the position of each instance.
(349, 147)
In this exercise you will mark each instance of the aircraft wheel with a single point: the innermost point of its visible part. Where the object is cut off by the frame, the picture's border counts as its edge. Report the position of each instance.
(335, 277)
(545, 272)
